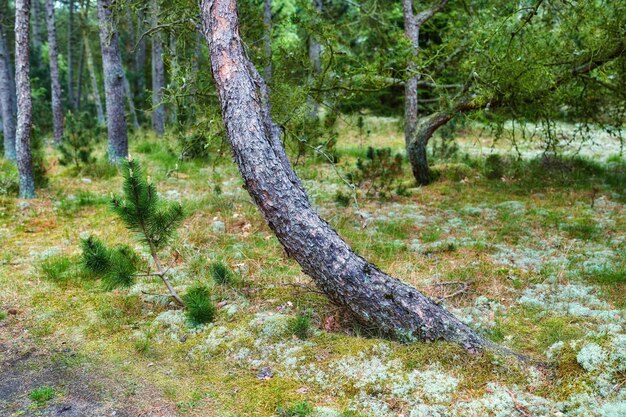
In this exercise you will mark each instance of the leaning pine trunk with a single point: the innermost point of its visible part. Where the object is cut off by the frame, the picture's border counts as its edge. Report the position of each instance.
(53, 52)
(113, 83)
(24, 100)
(7, 94)
(369, 294)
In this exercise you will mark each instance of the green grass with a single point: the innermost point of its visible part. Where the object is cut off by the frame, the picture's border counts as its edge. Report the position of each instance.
(301, 409)
(60, 269)
(300, 326)
(3, 315)
(42, 394)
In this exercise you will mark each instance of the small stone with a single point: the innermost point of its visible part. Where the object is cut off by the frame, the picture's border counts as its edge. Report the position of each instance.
(86, 180)
(183, 338)
(265, 374)
(12, 311)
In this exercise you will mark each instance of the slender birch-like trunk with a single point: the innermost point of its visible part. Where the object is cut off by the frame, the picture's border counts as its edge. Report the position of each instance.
(53, 52)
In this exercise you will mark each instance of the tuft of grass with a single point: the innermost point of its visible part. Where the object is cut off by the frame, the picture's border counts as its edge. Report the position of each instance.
(301, 409)
(60, 269)
(42, 394)
(200, 308)
(3, 315)
(300, 326)
(583, 229)
(221, 274)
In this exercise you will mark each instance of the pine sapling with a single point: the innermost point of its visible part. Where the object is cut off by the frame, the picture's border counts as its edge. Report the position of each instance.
(154, 221)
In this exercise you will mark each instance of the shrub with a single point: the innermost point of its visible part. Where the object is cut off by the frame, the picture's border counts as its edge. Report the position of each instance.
(42, 394)
(341, 199)
(221, 274)
(378, 173)
(9, 179)
(200, 308)
(300, 326)
(494, 167)
(79, 136)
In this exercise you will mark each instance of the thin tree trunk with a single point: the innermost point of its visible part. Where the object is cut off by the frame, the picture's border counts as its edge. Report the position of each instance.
(113, 83)
(267, 40)
(195, 67)
(7, 93)
(53, 52)
(369, 294)
(24, 100)
(37, 37)
(131, 103)
(94, 80)
(79, 81)
(70, 47)
(140, 57)
(315, 54)
(412, 31)
(174, 68)
(158, 75)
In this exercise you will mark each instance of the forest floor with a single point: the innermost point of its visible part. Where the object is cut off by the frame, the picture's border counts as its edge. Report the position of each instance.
(534, 258)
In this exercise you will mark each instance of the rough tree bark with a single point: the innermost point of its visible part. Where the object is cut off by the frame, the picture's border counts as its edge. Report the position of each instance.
(113, 83)
(412, 25)
(24, 100)
(267, 40)
(369, 294)
(158, 75)
(315, 56)
(7, 93)
(53, 52)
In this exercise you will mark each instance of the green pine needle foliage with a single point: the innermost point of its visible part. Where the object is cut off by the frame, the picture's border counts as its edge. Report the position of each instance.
(200, 308)
(221, 274)
(79, 137)
(142, 212)
(115, 266)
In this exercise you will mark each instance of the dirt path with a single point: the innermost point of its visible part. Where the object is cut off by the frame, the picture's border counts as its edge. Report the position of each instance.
(81, 389)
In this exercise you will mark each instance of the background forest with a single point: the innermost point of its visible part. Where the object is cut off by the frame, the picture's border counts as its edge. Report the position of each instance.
(474, 149)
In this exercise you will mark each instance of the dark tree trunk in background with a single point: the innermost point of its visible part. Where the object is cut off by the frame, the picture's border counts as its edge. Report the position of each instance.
(113, 83)
(158, 75)
(174, 69)
(7, 92)
(139, 59)
(131, 102)
(267, 40)
(70, 46)
(369, 294)
(412, 25)
(315, 56)
(24, 100)
(94, 81)
(37, 35)
(53, 52)
(79, 81)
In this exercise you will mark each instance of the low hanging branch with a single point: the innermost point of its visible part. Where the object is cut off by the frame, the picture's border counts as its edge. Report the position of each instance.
(373, 297)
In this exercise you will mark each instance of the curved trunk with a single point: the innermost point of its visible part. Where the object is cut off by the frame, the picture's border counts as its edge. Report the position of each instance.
(53, 52)
(24, 100)
(417, 147)
(7, 94)
(372, 296)
(113, 83)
